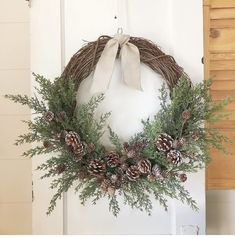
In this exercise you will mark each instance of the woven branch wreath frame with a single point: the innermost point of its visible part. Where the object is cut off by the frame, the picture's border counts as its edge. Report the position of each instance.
(154, 161)
(84, 61)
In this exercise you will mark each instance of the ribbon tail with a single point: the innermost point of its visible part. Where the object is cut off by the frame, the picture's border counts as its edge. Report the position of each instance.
(104, 67)
(130, 63)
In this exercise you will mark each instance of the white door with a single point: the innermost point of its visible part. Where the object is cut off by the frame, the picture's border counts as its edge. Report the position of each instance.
(57, 32)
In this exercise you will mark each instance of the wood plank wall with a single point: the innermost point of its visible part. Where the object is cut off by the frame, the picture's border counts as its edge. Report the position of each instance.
(219, 60)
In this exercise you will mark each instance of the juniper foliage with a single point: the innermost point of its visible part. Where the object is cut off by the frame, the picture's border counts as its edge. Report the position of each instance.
(60, 96)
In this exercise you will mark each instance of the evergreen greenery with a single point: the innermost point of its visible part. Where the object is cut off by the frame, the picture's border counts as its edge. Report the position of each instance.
(59, 98)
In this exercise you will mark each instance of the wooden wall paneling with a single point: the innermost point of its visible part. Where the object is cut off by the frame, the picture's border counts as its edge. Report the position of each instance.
(219, 63)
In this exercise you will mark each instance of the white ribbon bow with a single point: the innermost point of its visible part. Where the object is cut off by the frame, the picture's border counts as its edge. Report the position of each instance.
(130, 64)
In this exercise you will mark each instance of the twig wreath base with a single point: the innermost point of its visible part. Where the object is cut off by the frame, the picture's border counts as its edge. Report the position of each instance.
(155, 161)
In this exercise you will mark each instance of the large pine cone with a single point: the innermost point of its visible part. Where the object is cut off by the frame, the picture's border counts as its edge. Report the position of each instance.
(112, 159)
(144, 166)
(164, 142)
(72, 138)
(133, 173)
(174, 156)
(96, 167)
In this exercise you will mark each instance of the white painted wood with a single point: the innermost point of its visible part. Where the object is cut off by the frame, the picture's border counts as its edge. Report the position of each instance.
(45, 60)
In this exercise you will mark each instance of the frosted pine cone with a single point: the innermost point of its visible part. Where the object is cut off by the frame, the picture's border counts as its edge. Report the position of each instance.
(112, 159)
(48, 116)
(105, 185)
(133, 173)
(144, 166)
(174, 156)
(156, 170)
(72, 138)
(164, 142)
(79, 149)
(96, 167)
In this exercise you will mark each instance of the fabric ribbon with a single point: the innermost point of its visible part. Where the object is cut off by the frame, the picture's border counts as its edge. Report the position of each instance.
(130, 64)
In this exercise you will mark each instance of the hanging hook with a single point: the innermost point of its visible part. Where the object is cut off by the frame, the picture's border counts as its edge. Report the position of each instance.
(29, 2)
(119, 30)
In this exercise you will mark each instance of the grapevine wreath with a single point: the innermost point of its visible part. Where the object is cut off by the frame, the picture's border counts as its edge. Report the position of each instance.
(154, 162)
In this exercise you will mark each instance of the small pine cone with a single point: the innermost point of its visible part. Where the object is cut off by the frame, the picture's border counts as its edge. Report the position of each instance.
(105, 185)
(96, 167)
(82, 175)
(78, 149)
(151, 177)
(144, 166)
(62, 134)
(72, 138)
(126, 146)
(62, 115)
(183, 177)
(112, 159)
(165, 174)
(91, 147)
(131, 154)
(133, 173)
(164, 142)
(186, 115)
(48, 116)
(156, 170)
(195, 135)
(60, 168)
(47, 144)
(174, 156)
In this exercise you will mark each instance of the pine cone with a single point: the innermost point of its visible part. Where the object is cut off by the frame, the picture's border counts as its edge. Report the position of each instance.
(72, 138)
(144, 166)
(62, 115)
(151, 177)
(96, 167)
(112, 159)
(105, 184)
(91, 147)
(164, 142)
(183, 177)
(60, 168)
(48, 116)
(47, 144)
(133, 173)
(195, 135)
(186, 115)
(156, 170)
(79, 149)
(174, 156)
(165, 173)
(131, 154)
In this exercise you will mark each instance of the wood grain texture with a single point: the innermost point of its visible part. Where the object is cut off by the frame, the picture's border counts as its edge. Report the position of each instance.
(219, 58)
(222, 3)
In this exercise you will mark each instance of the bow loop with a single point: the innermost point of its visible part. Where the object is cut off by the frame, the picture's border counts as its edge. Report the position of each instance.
(130, 64)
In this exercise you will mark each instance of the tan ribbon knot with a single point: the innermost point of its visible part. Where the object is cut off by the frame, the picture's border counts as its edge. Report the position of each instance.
(130, 64)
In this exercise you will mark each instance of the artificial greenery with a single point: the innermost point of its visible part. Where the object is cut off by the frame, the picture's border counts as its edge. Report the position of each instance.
(181, 118)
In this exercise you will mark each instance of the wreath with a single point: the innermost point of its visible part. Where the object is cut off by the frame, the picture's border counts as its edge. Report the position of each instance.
(154, 162)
